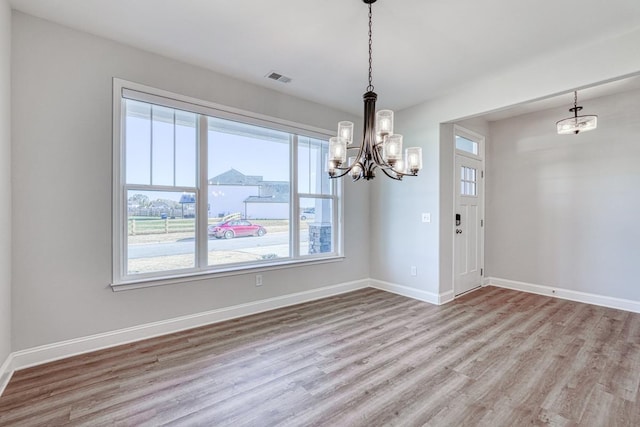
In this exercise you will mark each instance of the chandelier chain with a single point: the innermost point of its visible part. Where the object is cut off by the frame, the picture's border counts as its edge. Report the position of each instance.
(370, 87)
(575, 99)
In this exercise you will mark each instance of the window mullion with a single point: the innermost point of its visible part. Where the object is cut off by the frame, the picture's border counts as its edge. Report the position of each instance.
(143, 187)
(174, 148)
(317, 195)
(151, 146)
(119, 200)
(294, 222)
(202, 236)
(338, 215)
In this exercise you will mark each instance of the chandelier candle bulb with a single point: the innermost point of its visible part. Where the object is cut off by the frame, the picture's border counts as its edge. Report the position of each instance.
(331, 168)
(414, 159)
(337, 151)
(392, 149)
(356, 170)
(384, 122)
(345, 131)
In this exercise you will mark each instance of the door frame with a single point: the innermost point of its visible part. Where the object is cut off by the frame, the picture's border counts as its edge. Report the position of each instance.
(481, 140)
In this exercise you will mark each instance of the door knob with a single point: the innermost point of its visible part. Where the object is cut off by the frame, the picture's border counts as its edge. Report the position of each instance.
(458, 231)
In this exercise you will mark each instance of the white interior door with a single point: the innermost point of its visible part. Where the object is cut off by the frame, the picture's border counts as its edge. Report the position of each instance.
(468, 224)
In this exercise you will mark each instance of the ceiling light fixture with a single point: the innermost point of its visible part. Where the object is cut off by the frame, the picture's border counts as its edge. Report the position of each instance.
(576, 124)
(380, 147)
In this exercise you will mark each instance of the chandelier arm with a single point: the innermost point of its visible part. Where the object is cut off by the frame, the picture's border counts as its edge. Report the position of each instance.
(396, 177)
(369, 172)
(377, 157)
(358, 156)
(346, 171)
(399, 173)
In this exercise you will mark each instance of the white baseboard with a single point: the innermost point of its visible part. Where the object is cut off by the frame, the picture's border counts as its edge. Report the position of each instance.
(446, 297)
(595, 299)
(48, 353)
(414, 293)
(60, 350)
(6, 372)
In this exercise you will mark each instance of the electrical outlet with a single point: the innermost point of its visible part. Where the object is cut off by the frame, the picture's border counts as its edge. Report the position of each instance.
(414, 270)
(258, 279)
(426, 217)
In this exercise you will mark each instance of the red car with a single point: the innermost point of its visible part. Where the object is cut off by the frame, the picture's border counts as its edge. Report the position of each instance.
(236, 228)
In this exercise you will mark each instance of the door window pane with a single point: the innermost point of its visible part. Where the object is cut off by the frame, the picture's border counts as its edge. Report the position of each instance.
(467, 145)
(468, 181)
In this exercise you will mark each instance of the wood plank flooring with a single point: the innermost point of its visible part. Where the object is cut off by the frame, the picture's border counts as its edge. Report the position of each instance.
(494, 357)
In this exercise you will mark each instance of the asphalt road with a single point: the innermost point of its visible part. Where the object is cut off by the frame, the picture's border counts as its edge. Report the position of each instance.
(187, 246)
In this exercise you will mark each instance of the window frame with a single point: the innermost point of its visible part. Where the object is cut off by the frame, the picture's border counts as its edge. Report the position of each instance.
(471, 136)
(123, 90)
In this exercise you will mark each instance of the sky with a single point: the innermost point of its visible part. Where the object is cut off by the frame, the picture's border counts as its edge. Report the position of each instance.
(162, 151)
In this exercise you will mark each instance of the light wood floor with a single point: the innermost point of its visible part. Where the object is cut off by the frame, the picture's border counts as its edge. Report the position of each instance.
(368, 358)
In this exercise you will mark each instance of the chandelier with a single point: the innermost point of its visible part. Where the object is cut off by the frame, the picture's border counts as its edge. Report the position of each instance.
(576, 124)
(380, 147)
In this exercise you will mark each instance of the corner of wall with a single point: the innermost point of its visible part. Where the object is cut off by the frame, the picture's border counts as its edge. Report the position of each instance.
(5, 194)
(446, 207)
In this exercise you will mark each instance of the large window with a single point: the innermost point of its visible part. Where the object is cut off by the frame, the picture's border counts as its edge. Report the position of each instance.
(201, 189)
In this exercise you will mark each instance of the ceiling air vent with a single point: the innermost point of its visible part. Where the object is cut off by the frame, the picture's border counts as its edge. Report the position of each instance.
(278, 77)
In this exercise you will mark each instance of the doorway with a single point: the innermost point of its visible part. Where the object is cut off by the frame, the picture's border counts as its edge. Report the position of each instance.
(468, 257)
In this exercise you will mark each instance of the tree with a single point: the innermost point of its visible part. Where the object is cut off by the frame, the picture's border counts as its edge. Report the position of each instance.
(139, 199)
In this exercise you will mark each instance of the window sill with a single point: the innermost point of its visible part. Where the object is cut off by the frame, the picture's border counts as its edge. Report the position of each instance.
(230, 271)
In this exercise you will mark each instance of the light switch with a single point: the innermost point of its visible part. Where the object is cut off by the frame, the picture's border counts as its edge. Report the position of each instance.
(426, 217)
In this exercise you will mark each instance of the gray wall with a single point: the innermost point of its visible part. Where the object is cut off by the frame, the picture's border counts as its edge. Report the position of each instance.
(562, 210)
(62, 82)
(5, 181)
(398, 238)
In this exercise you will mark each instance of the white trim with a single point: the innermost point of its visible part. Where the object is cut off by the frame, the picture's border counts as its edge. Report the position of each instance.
(472, 136)
(60, 350)
(446, 297)
(6, 371)
(481, 140)
(121, 278)
(50, 352)
(140, 92)
(568, 294)
(410, 292)
(232, 270)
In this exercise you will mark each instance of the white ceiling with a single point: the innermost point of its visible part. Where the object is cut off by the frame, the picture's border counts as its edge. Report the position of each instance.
(422, 48)
(618, 86)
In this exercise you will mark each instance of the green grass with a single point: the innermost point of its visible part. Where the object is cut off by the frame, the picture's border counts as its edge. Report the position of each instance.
(146, 225)
(154, 225)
